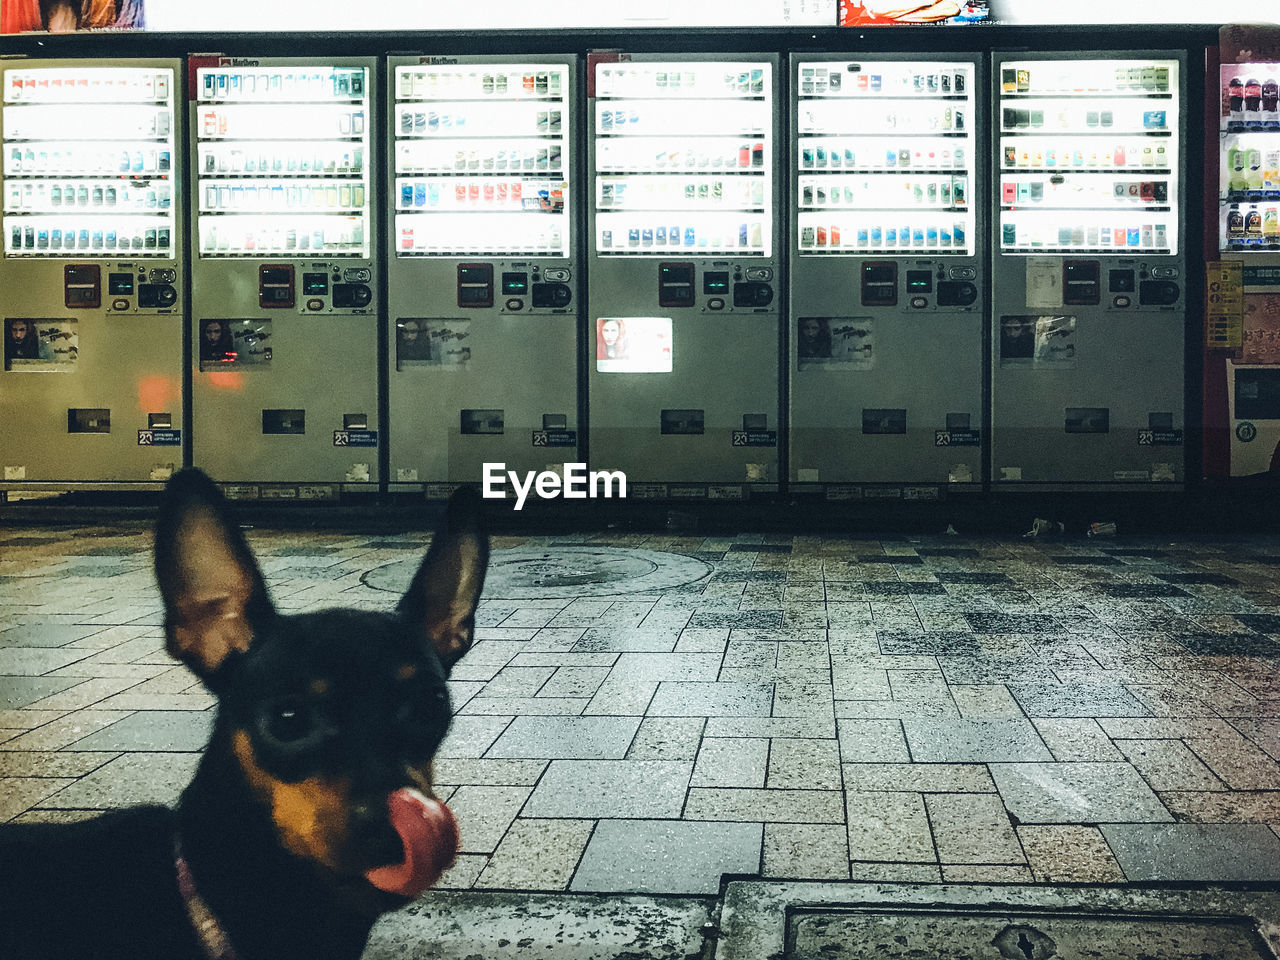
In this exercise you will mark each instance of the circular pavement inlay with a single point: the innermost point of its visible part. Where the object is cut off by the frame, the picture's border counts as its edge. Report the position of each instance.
(538, 573)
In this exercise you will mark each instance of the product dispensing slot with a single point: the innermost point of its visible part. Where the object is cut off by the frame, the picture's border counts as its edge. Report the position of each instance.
(1081, 282)
(82, 286)
(879, 284)
(284, 421)
(483, 422)
(88, 420)
(475, 285)
(675, 285)
(1087, 420)
(275, 286)
(884, 421)
(688, 422)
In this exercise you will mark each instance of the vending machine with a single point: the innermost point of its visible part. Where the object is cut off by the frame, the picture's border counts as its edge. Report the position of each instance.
(886, 318)
(284, 294)
(1248, 232)
(684, 262)
(484, 283)
(1089, 275)
(90, 278)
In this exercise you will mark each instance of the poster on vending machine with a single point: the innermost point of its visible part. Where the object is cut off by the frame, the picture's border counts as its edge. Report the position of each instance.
(1037, 341)
(633, 345)
(449, 342)
(836, 343)
(413, 343)
(233, 344)
(67, 16)
(1261, 328)
(40, 345)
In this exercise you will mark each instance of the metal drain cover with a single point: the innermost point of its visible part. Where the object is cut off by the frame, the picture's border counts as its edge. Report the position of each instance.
(539, 573)
(819, 920)
(889, 935)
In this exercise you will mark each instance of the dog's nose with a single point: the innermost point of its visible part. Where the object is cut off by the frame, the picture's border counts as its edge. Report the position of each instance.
(372, 833)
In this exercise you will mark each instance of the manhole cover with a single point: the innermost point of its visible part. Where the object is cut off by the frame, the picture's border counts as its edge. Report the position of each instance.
(537, 573)
(888, 935)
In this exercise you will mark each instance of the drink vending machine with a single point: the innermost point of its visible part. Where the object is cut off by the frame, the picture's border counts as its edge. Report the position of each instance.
(91, 268)
(1248, 181)
(684, 262)
(284, 284)
(483, 278)
(886, 312)
(1089, 271)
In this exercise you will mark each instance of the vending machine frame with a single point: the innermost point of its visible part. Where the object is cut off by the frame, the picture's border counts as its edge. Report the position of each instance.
(899, 289)
(101, 405)
(495, 379)
(1088, 341)
(304, 310)
(673, 415)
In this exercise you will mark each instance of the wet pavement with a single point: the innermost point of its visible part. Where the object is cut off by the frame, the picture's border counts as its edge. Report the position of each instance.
(645, 715)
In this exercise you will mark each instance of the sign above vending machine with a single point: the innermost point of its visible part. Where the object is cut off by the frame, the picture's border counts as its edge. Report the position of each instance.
(877, 13)
(288, 16)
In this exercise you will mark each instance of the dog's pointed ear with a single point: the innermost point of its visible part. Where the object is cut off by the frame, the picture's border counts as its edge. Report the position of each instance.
(214, 594)
(442, 599)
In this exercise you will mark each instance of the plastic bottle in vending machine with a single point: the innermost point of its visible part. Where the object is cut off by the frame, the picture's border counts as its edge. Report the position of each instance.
(1252, 102)
(1271, 172)
(1235, 227)
(1271, 226)
(1235, 100)
(1253, 227)
(1270, 102)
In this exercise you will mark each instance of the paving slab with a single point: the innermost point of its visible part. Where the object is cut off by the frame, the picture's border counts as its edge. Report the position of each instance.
(560, 738)
(1083, 792)
(611, 788)
(1188, 852)
(661, 856)
(974, 741)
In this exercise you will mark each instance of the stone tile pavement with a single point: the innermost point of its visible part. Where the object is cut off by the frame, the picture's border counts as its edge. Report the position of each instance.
(921, 709)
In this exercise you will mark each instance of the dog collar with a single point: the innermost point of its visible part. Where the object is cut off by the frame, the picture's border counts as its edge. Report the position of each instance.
(213, 938)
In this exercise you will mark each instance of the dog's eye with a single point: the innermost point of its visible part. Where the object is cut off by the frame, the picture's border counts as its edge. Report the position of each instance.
(287, 721)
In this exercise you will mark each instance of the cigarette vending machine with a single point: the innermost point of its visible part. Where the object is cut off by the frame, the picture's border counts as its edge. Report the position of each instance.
(484, 283)
(90, 288)
(886, 312)
(284, 294)
(684, 294)
(1248, 230)
(1089, 276)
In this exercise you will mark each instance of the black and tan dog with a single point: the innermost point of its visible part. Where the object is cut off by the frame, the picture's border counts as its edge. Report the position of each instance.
(311, 812)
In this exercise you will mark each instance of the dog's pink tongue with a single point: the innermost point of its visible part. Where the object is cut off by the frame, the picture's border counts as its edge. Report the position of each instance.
(430, 837)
